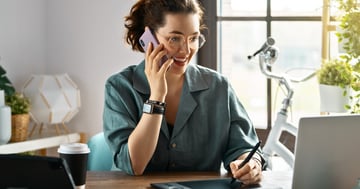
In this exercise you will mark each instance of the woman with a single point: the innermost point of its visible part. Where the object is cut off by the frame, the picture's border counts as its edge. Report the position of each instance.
(178, 116)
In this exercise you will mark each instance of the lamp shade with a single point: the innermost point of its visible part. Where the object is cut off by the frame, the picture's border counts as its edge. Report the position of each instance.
(54, 98)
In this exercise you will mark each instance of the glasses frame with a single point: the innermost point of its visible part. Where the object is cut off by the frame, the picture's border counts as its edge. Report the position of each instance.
(201, 39)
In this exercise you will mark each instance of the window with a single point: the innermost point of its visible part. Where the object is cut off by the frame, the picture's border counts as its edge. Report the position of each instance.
(238, 28)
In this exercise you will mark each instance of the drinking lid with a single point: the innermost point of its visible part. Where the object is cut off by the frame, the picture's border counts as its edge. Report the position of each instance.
(74, 148)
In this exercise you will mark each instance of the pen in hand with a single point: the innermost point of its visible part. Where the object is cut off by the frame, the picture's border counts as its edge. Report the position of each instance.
(247, 159)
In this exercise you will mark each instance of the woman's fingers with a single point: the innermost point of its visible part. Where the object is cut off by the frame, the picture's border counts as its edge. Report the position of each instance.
(166, 65)
(155, 75)
(250, 173)
(253, 176)
(158, 58)
(148, 61)
(154, 56)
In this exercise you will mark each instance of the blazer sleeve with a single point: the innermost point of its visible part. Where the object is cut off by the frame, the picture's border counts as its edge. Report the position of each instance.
(242, 134)
(119, 120)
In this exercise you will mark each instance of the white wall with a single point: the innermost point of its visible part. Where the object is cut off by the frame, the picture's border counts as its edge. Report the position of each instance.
(84, 38)
(22, 42)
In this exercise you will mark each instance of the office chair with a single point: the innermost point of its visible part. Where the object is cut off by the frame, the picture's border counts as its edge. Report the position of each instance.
(100, 157)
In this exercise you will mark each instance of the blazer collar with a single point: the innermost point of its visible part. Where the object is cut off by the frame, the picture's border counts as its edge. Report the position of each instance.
(194, 81)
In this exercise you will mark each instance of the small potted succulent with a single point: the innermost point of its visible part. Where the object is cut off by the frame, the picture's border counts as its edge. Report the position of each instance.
(19, 103)
(20, 118)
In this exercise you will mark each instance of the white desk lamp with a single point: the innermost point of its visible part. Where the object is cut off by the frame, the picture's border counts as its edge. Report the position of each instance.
(55, 99)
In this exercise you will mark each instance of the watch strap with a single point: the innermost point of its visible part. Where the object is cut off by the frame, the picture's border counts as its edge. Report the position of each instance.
(156, 102)
(150, 108)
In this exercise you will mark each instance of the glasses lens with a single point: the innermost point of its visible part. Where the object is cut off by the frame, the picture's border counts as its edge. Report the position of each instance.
(197, 41)
(176, 41)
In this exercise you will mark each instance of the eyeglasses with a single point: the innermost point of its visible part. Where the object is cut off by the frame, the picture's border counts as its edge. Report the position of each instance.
(176, 41)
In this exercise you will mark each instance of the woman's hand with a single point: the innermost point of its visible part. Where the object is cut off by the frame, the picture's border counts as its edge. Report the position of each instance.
(250, 173)
(156, 74)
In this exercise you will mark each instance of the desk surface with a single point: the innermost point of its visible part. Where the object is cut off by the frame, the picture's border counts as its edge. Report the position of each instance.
(115, 179)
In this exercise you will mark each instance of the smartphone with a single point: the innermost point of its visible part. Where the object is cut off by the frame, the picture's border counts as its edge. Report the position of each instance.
(148, 37)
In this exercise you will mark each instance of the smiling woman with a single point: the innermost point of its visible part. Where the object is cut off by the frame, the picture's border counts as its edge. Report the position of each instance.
(160, 118)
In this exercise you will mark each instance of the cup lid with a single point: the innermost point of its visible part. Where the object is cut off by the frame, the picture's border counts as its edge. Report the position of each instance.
(74, 148)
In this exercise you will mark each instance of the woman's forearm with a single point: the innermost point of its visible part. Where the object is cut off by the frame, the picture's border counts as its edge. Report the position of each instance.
(143, 140)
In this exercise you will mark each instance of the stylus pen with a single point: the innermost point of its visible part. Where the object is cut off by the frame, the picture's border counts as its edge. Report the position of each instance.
(247, 159)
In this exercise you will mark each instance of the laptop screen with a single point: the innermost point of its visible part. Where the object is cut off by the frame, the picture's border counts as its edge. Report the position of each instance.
(327, 152)
(27, 172)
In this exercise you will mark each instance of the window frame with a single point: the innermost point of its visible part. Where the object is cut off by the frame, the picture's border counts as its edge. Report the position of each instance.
(208, 54)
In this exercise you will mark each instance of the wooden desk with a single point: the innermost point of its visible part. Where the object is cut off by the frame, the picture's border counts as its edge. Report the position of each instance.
(116, 180)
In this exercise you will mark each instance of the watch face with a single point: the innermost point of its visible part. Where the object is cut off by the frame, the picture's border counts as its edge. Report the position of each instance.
(147, 108)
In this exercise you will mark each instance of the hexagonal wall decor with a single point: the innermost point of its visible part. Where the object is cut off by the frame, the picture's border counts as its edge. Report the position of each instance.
(54, 98)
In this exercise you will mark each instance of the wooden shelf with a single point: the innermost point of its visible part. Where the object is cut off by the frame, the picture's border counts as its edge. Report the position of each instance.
(39, 143)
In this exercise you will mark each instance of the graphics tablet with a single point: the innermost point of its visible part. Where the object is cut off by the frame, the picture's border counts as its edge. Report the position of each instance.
(38, 172)
(199, 184)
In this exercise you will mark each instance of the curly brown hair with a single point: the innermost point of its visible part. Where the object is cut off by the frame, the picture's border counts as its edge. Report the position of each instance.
(152, 13)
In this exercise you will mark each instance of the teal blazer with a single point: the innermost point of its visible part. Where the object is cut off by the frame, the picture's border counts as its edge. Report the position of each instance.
(211, 125)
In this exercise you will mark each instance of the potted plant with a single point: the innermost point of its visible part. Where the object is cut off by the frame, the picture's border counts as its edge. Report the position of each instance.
(20, 118)
(335, 78)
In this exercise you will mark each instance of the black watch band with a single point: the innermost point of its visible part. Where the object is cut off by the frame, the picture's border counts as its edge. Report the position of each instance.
(156, 102)
(151, 108)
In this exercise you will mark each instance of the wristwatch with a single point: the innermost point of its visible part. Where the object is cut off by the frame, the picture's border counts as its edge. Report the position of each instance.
(153, 108)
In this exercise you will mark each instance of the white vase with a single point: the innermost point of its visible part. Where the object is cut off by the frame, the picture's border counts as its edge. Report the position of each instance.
(332, 99)
(5, 120)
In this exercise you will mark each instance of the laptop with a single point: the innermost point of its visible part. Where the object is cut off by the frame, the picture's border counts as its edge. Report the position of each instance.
(38, 172)
(327, 152)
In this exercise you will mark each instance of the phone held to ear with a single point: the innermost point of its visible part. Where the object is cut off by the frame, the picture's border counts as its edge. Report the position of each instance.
(148, 37)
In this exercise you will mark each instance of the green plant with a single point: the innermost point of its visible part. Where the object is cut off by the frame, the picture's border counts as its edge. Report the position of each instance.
(354, 106)
(18, 103)
(337, 72)
(349, 36)
(5, 83)
(350, 27)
